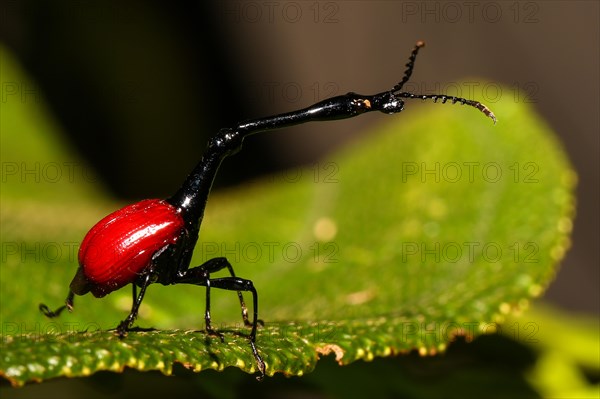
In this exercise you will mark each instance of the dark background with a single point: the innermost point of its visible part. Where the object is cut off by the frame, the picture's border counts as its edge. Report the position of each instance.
(138, 87)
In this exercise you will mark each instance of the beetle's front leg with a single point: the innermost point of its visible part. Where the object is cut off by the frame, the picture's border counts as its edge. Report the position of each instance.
(200, 275)
(247, 322)
(214, 265)
(240, 284)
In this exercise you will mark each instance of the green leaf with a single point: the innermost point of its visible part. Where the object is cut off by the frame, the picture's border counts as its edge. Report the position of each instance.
(561, 371)
(436, 223)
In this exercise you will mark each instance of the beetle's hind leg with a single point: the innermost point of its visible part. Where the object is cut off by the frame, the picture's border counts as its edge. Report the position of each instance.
(68, 305)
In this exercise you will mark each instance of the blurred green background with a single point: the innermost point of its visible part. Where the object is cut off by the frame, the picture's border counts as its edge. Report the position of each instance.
(138, 87)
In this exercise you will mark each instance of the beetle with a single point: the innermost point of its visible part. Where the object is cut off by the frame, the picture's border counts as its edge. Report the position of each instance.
(152, 241)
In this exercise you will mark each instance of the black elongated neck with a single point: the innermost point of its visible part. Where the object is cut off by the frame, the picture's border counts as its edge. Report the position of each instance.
(340, 107)
(191, 198)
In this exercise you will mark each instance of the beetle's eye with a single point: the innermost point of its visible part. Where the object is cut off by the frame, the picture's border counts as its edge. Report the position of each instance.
(361, 105)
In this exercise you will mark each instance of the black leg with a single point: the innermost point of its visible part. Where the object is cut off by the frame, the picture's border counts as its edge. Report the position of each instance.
(133, 296)
(200, 275)
(212, 266)
(51, 314)
(125, 325)
(240, 296)
(207, 320)
(240, 284)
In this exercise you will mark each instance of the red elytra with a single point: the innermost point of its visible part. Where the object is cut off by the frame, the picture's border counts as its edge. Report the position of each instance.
(120, 246)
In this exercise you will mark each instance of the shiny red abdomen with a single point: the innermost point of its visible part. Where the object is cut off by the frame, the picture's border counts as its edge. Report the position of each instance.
(120, 246)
